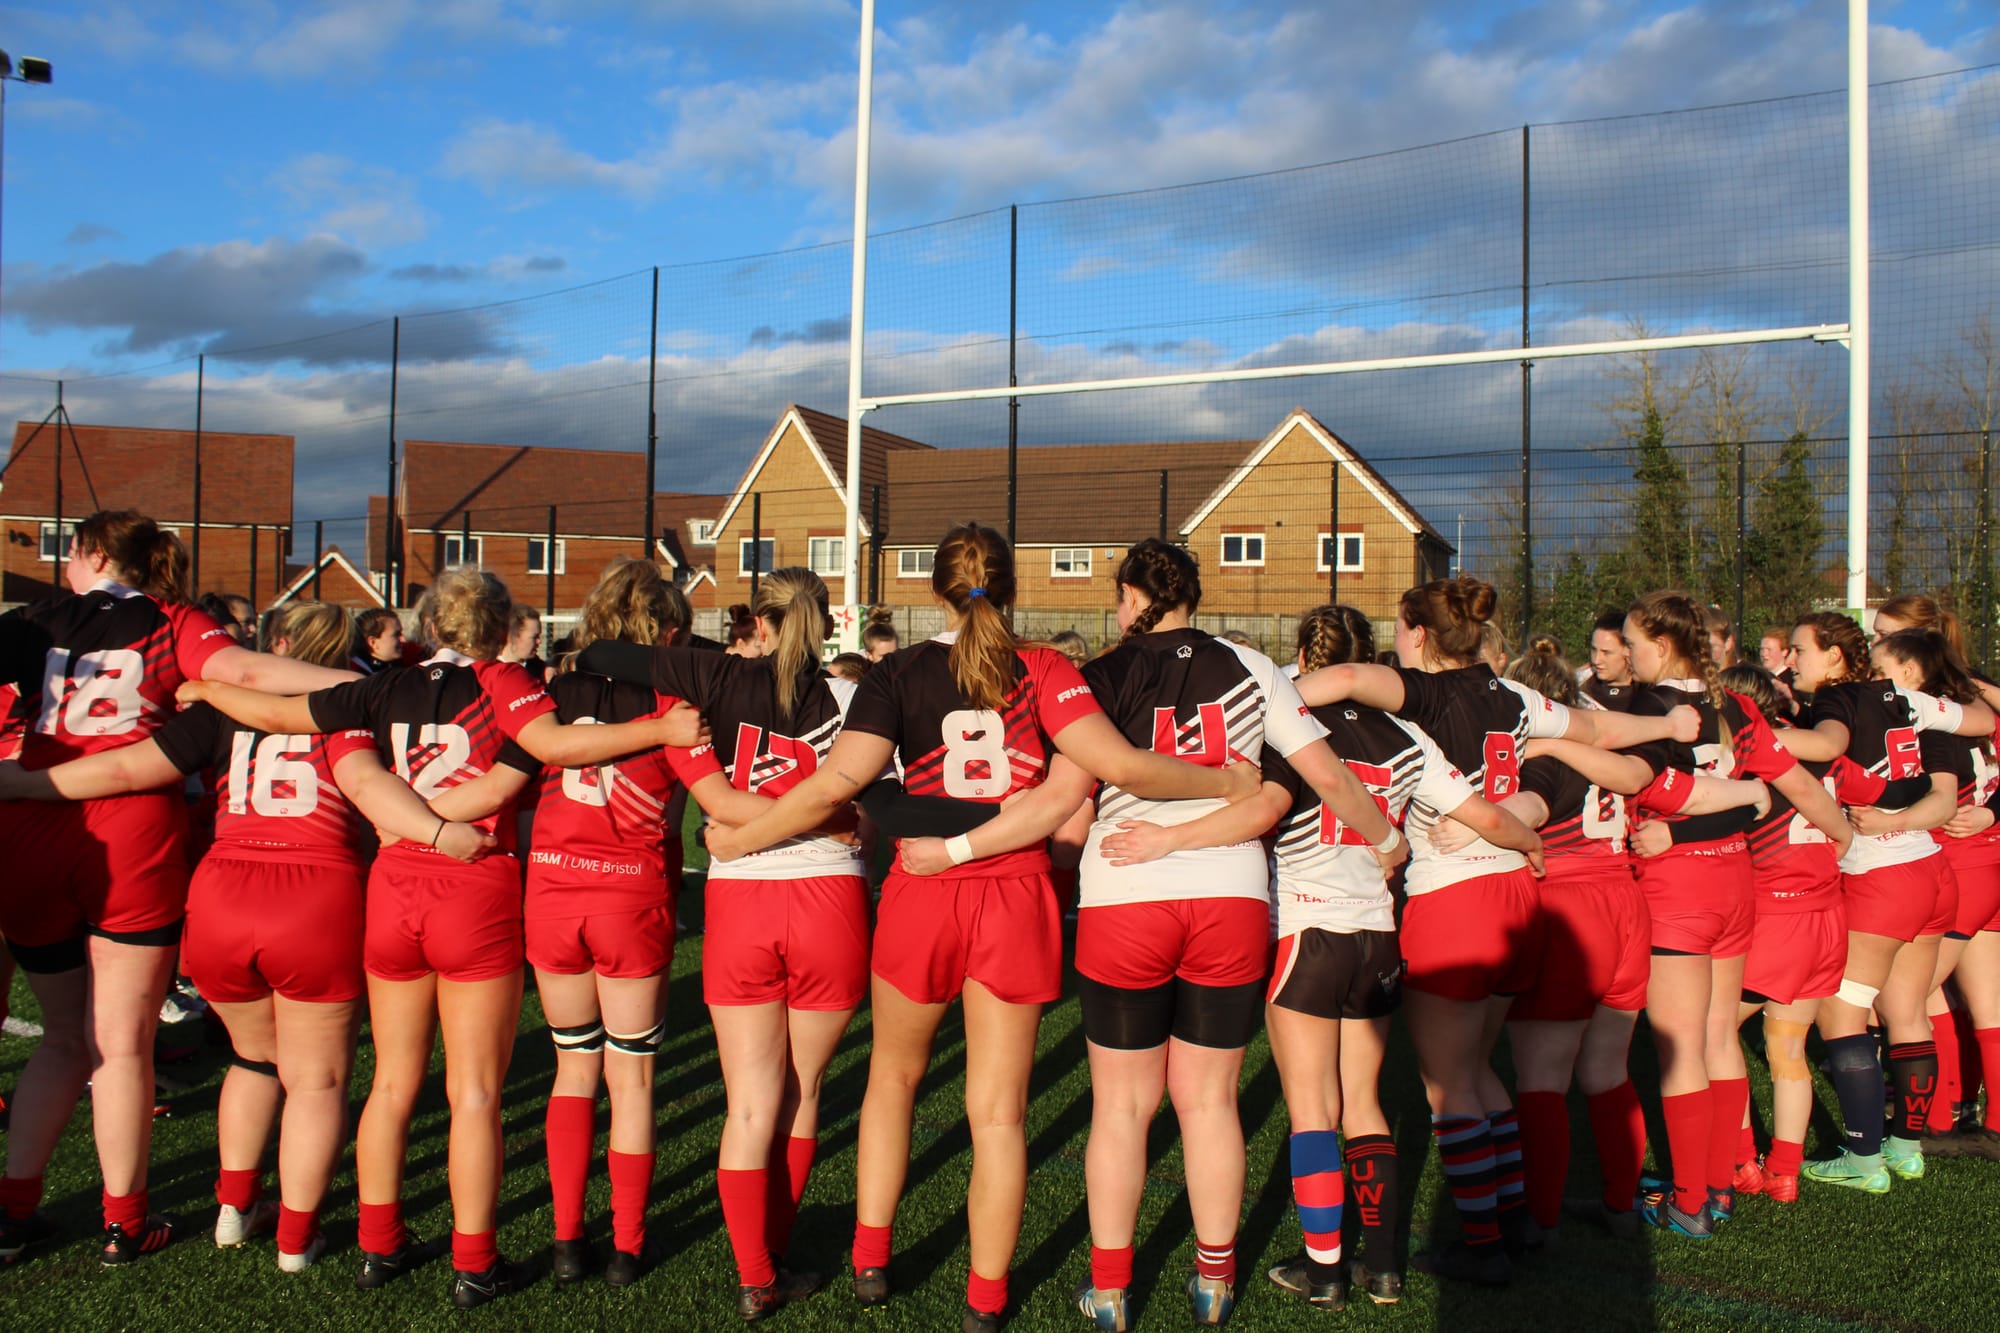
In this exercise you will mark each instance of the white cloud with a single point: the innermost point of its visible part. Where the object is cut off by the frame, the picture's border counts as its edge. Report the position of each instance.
(370, 206)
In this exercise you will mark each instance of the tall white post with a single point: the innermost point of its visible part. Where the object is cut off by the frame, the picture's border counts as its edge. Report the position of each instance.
(1857, 303)
(856, 300)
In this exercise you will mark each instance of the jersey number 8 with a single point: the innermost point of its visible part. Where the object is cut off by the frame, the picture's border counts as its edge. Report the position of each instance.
(975, 755)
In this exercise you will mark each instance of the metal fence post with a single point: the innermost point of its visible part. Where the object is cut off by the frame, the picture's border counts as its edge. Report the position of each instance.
(875, 539)
(549, 563)
(200, 387)
(1163, 504)
(319, 550)
(1333, 533)
(756, 542)
(61, 555)
(1742, 532)
(1013, 404)
(652, 419)
(253, 565)
(1527, 399)
(392, 572)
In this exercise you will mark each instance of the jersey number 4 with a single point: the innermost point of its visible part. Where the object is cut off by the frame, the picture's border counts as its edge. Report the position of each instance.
(1203, 741)
(1376, 778)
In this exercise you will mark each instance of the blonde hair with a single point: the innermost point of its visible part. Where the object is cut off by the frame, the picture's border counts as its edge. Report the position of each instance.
(316, 632)
(794, 602)
(973, 573)
(470, 611)
(632, 602)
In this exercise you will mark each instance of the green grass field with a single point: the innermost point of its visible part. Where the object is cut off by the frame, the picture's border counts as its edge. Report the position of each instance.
(1924, 1257)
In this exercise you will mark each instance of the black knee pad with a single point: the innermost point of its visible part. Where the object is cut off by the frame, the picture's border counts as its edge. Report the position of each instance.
(1126, 1020)
(644, 1043)
(583, 1039)
(1222, 1017)
(264, 1067)
(1852, 1056)
(46, 959)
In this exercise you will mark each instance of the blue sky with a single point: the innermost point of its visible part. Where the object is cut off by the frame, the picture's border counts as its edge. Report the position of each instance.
(214, 176)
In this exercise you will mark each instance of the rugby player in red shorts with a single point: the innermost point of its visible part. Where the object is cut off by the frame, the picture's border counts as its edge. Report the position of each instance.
(274, 924)
(1471, 933)
(96, 890)
(971, 715)
(1899, 892)
(443, 944)
(1172, 953)
(785, 948)
(599, 924)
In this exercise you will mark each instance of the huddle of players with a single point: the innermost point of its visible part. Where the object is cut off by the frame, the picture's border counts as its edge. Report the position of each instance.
(1174, 927)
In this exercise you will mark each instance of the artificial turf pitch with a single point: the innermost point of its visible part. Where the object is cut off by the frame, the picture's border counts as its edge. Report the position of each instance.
(1926, 1256)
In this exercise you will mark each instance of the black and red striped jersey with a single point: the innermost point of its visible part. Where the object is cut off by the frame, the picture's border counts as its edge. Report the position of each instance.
(945, 747)
(764, 752)
(1481, 722)
(1970, 761)
(1753, 751)
(1327, 876)
(1613, 698)
(99, 670)
(601, 835)
(1204, 701)
(276, 798)
(442, 722)
(1794, 862)
(1585, 831)
(1884, 724)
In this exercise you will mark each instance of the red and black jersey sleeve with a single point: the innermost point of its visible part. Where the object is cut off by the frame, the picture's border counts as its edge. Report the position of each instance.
(194, 739)
(1758, 751)
(198, 636)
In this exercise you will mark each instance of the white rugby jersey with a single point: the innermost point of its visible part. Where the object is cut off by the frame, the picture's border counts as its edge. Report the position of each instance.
(1480, 721)
(1882, 721)
(1327, 877)
(1206, 701)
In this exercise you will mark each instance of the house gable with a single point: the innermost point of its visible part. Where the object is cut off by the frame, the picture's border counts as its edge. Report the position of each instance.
(1301, 421)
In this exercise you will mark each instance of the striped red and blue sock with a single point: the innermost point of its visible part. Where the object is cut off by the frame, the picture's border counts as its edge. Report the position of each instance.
(1510, 1178)
(1465, 1146)
(1320, 1188)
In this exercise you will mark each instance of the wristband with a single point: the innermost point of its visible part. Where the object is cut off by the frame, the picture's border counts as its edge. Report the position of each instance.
(959, 849)
(1388, 844)
(439, 834)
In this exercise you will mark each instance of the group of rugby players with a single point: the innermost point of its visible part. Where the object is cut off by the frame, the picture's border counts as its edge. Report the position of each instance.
(1528, 852)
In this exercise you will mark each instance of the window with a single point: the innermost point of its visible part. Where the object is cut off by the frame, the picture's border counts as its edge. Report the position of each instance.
(914, 564)
(704, 532)
(1350, 552)
(766, 549)
(538, 555)
(1243, 548)
(1069, 562)
(827, 555)
(54, 548)
(456, 552)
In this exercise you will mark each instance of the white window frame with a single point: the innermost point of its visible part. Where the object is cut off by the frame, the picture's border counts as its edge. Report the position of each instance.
(704, 532)
(1246, 562)
(906, 562)
(562, 555)
(764, 544)
(826, 564)
(1078, 557)
(1346, 567)
(49, 535)
(454, 541)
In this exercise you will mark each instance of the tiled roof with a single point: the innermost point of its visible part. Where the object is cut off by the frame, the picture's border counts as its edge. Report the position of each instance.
(244, 478)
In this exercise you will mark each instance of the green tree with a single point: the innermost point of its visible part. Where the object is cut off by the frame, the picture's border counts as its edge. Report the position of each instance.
(1661, 552)
(1781, 549)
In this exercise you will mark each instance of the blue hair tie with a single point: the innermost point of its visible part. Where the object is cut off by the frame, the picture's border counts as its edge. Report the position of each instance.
(976, 592)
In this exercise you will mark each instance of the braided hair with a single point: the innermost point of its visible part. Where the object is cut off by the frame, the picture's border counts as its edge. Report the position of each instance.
(1831, 630)
(1168, 578)
(1332, 634)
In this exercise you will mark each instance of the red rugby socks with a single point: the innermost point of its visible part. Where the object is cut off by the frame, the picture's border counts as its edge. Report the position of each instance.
(871, 1246)
(791, 1167)
(1688, 1120)
(237, 1189)
(1545, 1154)
(295, 1230)
(474, 1251)
(631, 1183)
(1728, 1098)
(20, 1195)
(125, 1211)
(988, 1295)
(381, 1227)
(571, 1127)
(745, 1200)
(1618, 1123)
(1111, 1270)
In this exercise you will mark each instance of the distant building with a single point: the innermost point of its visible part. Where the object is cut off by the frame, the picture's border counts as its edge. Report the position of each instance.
(332, 578)
(246, 501)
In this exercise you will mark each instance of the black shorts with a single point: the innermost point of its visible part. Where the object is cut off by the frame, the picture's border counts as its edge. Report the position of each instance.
(1332, 975)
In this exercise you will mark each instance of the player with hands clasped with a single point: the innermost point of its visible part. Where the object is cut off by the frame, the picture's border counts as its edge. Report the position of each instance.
(1471, 932)
(972, 715)
(443, 948)
(96, 890)
(274, 922)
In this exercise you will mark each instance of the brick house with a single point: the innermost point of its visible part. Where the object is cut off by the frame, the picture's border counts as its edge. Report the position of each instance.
(790, 506)
(246, 501)
(332, 578)
(489, 504)
(1256, 513)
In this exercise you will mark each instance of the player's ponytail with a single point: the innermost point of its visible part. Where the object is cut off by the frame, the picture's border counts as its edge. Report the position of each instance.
(470, 612)
(793, 602)
(1453, 614)
(1166, 575)
(632, 602)
(141, 553)
(1930, 651)
(1332, 635)
(315, 632)
(973, 574)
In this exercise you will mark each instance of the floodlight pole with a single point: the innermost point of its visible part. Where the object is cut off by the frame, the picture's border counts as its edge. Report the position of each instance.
(1857, 303)
(856, 300)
